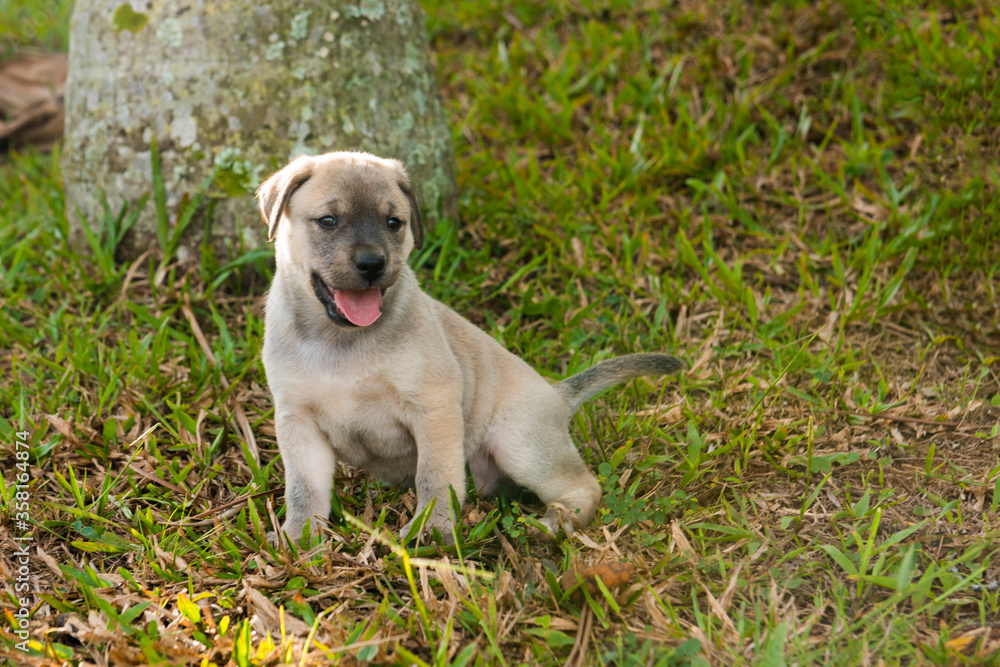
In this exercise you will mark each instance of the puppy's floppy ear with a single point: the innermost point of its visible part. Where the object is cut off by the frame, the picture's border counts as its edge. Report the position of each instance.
(273, 194)
(416, 222)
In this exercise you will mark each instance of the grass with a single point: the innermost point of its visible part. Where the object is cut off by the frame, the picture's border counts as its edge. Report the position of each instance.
(800, 199)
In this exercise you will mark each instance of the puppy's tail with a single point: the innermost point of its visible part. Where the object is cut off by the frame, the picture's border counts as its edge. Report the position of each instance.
(583, 386)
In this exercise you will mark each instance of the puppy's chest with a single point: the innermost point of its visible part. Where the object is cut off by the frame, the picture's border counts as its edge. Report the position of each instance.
(365, 419)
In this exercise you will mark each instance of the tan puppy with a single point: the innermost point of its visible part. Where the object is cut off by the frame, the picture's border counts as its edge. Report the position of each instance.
(368, 369)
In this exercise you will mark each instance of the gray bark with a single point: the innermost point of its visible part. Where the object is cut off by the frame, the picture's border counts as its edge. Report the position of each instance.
(243, 86)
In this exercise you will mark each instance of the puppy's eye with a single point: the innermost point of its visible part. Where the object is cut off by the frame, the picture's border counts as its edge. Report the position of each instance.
(327, 222)
(394, 224)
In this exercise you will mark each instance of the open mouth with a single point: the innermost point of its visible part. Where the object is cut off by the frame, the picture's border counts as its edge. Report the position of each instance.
(349, 308)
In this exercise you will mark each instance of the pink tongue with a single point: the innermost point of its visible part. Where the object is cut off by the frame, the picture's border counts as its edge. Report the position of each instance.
(360, 306)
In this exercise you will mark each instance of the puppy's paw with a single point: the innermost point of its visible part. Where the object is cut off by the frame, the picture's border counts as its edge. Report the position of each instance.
(543, 532)
(557, 523)
(442, 524)
(293, 533)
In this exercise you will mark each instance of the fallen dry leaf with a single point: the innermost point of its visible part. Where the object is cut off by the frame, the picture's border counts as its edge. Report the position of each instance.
(964, 641)
(267, 616)
(31, 100)
(610, 574)
(681, 541)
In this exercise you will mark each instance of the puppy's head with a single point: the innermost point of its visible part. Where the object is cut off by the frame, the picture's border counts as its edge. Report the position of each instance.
(345, 223)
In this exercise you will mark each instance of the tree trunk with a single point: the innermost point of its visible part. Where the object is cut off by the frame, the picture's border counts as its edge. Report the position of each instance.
(241, 87)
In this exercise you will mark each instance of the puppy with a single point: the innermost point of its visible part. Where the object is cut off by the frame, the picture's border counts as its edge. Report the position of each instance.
(368, 369)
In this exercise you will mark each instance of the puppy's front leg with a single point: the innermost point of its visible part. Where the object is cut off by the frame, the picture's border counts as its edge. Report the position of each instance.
(440, 466)
(309, 468)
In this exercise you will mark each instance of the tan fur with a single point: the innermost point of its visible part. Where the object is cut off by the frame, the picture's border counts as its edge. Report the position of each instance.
(417, 394)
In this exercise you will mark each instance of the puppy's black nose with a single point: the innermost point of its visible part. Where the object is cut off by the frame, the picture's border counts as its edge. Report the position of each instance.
(370, 265)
